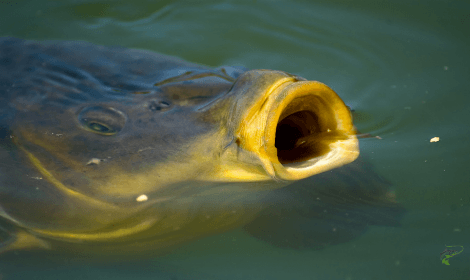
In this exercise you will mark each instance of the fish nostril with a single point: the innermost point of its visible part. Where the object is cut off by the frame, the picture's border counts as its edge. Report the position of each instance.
(159, 105)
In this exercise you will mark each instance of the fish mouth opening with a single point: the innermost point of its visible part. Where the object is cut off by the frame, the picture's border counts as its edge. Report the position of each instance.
(301, 136)
(289, 128)
(308, 131)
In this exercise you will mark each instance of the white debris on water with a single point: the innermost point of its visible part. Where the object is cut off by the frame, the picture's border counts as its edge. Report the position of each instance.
(141, 198)
(434, 139)
(95, 161)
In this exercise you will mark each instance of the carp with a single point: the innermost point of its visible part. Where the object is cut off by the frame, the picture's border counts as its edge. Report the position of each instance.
(110, 150)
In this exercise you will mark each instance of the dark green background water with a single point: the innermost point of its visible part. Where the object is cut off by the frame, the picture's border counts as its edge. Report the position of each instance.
(402, 65)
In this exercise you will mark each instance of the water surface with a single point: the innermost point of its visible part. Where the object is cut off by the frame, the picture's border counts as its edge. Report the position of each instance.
(402, 66)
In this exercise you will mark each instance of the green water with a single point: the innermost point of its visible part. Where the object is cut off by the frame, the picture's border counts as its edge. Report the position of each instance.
(403, 66)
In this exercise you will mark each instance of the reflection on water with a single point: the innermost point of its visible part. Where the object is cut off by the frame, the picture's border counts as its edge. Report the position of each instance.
(402, 67)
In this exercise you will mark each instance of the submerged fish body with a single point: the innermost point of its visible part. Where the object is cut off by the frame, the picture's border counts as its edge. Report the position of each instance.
(106, 149)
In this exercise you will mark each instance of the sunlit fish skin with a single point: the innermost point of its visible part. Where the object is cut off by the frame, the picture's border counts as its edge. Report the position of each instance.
(106, 149)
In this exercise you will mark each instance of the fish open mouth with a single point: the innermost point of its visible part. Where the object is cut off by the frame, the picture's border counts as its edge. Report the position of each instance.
(285, 128)
(305, 129)
(296, 128)
(308, 130)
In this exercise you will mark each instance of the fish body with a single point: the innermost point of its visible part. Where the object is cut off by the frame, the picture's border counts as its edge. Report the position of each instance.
(109, 150)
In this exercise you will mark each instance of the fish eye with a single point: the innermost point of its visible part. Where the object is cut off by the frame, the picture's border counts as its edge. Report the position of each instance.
(102, 120)
(100, 127)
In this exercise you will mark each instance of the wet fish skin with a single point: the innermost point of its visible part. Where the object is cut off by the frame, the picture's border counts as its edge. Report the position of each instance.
(88, 131)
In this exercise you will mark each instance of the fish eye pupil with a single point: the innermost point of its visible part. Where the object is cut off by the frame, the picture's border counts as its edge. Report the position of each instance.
(96, 126)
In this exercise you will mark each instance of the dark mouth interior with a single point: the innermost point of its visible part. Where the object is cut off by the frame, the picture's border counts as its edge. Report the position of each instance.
(300, 137)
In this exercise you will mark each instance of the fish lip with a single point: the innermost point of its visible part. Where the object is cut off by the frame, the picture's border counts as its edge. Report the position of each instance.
(330, 110)
(258, 102)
